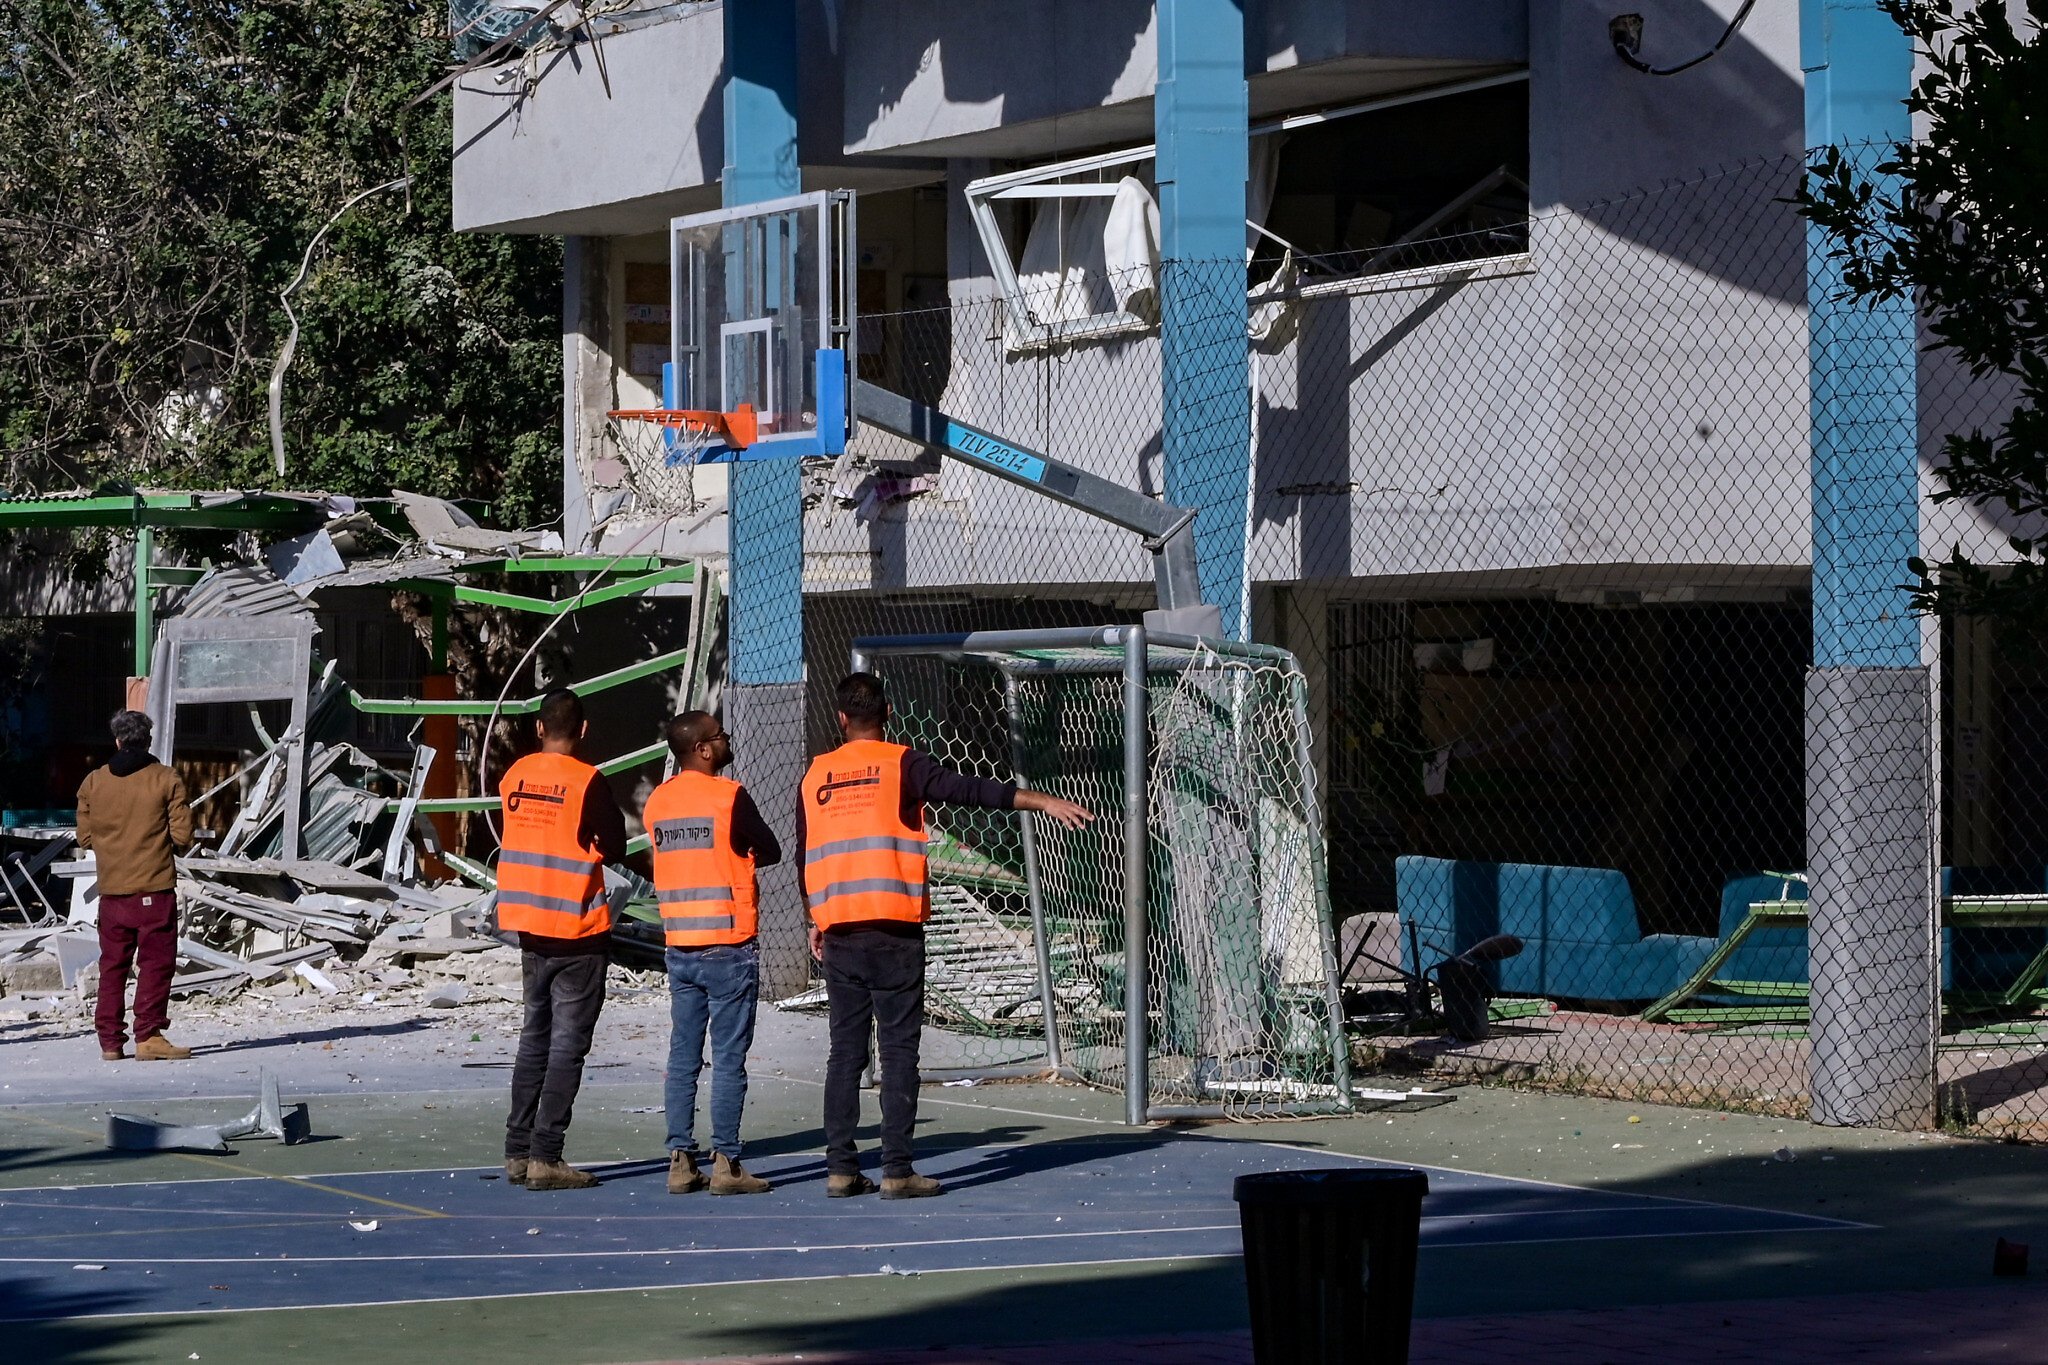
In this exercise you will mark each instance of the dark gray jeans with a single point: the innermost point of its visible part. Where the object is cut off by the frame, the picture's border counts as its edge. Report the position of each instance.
(873, 978)
(563, 997)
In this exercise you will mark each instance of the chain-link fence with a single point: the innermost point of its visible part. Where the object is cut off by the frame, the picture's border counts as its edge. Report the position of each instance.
(1239, 991)
(1535, 514)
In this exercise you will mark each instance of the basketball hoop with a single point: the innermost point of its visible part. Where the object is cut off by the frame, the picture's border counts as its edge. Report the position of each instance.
(662, 447)
(737, 429)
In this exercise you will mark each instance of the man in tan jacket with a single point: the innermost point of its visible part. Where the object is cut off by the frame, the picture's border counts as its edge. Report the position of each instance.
(133, 815)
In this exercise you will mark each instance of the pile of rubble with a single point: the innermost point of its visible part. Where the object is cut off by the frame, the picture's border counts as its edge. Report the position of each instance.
(263, 930)
(285, 929)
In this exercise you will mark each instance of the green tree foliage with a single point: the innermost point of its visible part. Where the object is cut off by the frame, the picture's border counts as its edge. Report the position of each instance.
(164, 165)
(1960, 219)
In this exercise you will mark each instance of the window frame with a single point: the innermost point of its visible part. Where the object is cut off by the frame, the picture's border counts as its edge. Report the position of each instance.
(1046, 182)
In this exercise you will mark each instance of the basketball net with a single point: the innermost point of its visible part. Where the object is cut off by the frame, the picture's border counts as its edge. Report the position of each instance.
(660, 459)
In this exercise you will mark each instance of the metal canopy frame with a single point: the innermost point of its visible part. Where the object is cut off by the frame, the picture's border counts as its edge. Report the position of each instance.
(1126, 651)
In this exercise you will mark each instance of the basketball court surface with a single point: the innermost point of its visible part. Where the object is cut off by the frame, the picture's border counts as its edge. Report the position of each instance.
(369, 1237)
(390, 1237)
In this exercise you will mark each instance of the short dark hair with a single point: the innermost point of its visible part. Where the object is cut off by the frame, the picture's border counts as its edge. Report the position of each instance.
(860, 697)
(686, 731)
(131, 730)
(561, 714)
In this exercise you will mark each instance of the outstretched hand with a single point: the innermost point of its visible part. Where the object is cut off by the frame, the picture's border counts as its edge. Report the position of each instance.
(1066, 812)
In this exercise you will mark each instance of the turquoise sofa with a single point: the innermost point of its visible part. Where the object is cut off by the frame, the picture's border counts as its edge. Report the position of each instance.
(1583, 941)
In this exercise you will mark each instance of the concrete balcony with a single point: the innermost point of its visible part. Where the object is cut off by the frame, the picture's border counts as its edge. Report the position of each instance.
(557, 144)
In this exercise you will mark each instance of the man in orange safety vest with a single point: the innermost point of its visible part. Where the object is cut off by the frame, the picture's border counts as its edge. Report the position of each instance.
(561, 825)
(708, 837)
(860, 823)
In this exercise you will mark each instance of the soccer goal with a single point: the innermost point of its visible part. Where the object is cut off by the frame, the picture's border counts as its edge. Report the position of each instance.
(1179, 948)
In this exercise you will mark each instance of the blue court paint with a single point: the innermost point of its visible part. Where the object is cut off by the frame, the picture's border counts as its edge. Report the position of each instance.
(1199, 112)
(276, 1244)
(1865, 452)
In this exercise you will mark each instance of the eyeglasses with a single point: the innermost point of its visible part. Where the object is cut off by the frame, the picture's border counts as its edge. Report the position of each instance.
(713, 739)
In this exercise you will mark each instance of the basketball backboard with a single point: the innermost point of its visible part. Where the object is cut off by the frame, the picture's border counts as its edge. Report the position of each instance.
(763, 315)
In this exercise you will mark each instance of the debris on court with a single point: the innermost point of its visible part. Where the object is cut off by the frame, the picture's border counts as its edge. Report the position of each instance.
(271, 1118)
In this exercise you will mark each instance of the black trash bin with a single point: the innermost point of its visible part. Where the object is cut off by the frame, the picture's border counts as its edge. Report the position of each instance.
(1329, 1260)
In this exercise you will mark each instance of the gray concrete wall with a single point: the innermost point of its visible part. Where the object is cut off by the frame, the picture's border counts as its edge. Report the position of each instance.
(552, 150)
(933, 77)
(1632, 396)
(1679, 312)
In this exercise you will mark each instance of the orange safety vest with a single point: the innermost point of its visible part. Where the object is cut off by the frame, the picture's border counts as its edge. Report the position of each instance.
(548, 883)
(861, 862)
(705, 889)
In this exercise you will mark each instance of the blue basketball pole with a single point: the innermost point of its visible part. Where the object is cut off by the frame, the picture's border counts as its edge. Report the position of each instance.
(1200, 113)
(1873, 939)
(763, 698)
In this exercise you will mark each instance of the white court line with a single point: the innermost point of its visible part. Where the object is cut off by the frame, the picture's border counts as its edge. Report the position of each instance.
(352, 1092)
(630, 1289)
(814, 1279)
(1067, 1234)
(873, 1244)
(611, 1163)
(1577, 1189)
(923, 1100)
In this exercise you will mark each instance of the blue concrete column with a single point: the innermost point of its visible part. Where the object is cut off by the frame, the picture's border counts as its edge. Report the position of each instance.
(763, 698)
(1873, 943)
(767, 511)
(1859, 67)
(1200, 113)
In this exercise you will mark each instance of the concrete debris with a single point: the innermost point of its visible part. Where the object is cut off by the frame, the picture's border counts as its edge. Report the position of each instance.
(318, 979)
(271, 1118)
(76, 952)
(447, 995)
(39, 973)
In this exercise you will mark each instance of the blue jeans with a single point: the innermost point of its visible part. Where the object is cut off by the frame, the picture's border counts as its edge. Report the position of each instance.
(714, 991)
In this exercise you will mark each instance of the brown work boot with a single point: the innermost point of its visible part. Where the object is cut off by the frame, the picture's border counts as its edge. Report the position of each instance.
(515, 1169)
(556, 1175)
(912, 1186)
(112, 1054)
(729, 1177)
(157, 1048)
(847, 1186)
(683, 1175)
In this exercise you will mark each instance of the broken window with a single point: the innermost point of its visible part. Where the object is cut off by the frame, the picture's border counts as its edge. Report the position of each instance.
(1427, 183)
(1079, 253)
(1429, 177)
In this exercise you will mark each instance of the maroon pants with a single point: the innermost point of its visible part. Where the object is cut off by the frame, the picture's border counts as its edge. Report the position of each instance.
(142, 930)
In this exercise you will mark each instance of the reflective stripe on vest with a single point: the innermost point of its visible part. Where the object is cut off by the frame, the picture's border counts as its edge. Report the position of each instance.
(548, 883)
(706, 891)
(861, 861)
